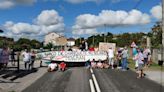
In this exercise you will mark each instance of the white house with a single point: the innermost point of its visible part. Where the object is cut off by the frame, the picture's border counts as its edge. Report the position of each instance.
(70, 42)
(50, 38)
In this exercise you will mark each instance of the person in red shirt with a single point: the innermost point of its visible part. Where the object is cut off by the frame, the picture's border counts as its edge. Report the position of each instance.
(91, 48)
(62, 66)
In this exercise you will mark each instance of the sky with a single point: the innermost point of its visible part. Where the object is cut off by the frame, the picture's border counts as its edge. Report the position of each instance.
(34, 19)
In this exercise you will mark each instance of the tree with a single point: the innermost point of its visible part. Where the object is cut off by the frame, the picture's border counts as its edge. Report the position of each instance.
(156, 35)
(49, 46)
(35, 44)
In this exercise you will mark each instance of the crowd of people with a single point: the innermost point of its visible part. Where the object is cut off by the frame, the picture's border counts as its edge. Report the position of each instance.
(118, 59)
(142, 59)
(9, 55)
(4, 57)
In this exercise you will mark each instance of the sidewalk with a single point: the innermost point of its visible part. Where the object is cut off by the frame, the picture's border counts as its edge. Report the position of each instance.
(156, 76)
(25, 79)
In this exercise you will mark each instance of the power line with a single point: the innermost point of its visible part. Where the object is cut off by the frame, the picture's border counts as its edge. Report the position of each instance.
(137, 4)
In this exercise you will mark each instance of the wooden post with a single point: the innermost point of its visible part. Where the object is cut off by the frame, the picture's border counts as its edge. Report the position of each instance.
(18, 63)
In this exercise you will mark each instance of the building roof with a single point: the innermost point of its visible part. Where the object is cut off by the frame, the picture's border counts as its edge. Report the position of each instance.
(70, 39)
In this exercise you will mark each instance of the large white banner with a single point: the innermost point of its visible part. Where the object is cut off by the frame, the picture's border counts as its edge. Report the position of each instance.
(72, 56)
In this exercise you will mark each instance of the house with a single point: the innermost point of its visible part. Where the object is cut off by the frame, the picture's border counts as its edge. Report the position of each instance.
(55, 39)
(70, 42)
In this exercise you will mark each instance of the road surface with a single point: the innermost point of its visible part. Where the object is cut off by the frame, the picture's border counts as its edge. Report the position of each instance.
(82, 79)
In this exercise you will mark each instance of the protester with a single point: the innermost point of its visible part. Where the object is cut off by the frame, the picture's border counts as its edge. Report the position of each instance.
(88, 63)
(26, 59)
(140, 59)
(149, 56)
(91, 48)
(83, 46)
(145, 55)
(70, 49)
(135, 58)
(32, 59)
(62, 66)
(5, 57)
(119, 58)
(52, 67)
(124, 59)
(100, 64)
(111, 57)
(134, 50)
(93, 63)
(12, 54)
(86, 45)
(1, 63)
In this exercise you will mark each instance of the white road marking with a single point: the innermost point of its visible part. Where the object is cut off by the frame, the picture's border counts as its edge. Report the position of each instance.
(91, 70)
(96, 83)
(91, 85)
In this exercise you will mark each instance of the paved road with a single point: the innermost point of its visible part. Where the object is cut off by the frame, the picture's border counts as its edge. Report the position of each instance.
(110, 80)
(72, 80)
(77, 80)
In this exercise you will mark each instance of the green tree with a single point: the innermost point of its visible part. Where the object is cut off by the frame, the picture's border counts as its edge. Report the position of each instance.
(35, 44)
(156, 35)
(49, 46)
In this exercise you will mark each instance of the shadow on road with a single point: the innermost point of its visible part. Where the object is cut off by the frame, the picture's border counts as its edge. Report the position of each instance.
(15, 74)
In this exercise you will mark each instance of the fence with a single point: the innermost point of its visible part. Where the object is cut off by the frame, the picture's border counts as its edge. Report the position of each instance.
(157, 56)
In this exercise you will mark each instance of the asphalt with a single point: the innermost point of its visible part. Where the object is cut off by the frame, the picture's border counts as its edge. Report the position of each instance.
(76, 79)
(71, 80)
(16, 81)
(124, 81)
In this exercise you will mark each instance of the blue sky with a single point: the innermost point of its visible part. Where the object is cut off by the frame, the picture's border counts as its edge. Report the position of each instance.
(76, 18)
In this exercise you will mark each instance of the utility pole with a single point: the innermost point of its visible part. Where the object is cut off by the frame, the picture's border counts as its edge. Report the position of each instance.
(162, 54)
(93, 40)
(162, 30)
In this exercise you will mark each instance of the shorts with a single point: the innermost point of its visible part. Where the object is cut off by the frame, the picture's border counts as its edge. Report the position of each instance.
(140, 67)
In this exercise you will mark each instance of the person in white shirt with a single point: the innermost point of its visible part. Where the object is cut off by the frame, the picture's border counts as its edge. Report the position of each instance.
(52, 67)
(140, 59)
(111, 57)
(26, 58)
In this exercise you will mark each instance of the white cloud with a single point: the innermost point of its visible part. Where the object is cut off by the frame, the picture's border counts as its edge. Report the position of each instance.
(20, 28)
(90, 31)
(47, 21)
(49, 17)
(6, 4)
(29, 2)
(109, 18)
(156, 12)
(82, 1)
